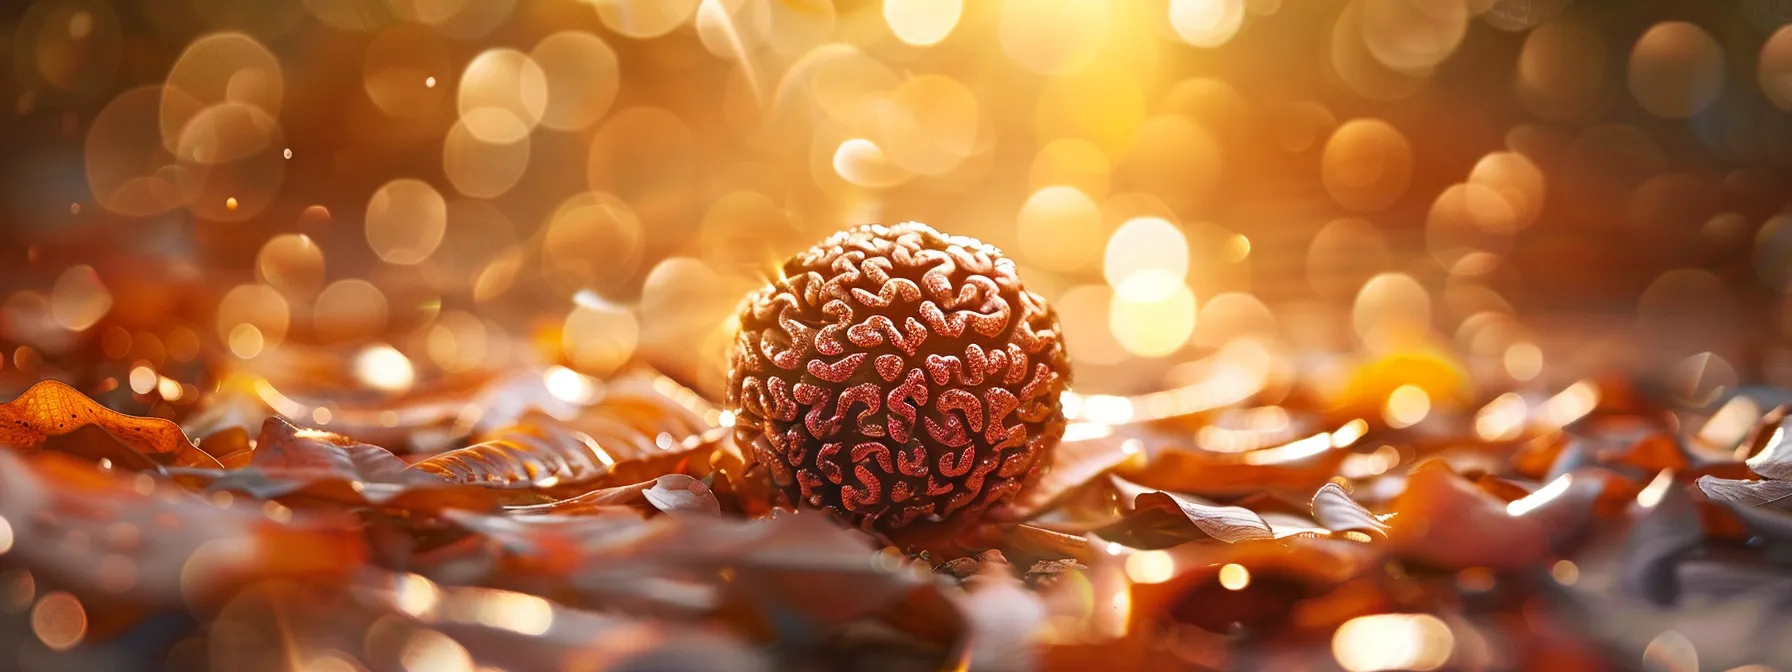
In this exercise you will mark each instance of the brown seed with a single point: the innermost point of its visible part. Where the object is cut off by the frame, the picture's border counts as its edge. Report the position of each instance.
(894, 374)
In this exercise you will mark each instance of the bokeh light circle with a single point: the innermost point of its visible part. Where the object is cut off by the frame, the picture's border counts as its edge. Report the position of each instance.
(1059, 228)
(1774, 69)
(67, 50)
(644, 19)
(130, 170)
(1562, 70)
(1367, 165)
(291, 263)
(1676, 69)
(591, 241)
(502, 91)
(1142, 246)
(582, 77)
(242, 148)
(1412, 35)
(484, 169)
(1206, 23)
(350, 309)
(922, 23)
(1053, 37)
(260, 307)
(599, 338)
(220, 68)
(405, 222)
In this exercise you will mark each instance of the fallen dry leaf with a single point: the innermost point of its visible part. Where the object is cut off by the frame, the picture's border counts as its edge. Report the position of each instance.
(1335, 510)
(672, 493)
(1298, 465)
(286, 451)
(1444, 519)
(52, 408)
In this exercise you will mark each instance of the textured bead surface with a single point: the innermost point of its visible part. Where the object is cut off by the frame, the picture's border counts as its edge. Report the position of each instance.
(894, 374)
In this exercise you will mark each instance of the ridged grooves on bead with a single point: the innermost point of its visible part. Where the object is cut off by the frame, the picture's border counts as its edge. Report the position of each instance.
(895, 374)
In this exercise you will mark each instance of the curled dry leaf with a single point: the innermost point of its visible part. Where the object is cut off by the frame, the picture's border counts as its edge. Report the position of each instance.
(1764, 494)
(296, 453)
(1028, 543)
(672, 493)
(1763, 507)
(548, 454)
(1774, 459)
(1162, 518)
(1767, 430)
(1335, 510)
(1444, 519)
(232, 447)
(52, 408)
(303, 465)
(539, 453)
(678, 493)
(642, 426)
(1297, 465)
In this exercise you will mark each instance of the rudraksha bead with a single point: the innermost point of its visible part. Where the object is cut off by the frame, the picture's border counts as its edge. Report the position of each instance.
(894, 375)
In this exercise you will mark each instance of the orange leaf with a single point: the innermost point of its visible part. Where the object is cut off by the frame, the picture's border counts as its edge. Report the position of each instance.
(52, 408)
(287, 451)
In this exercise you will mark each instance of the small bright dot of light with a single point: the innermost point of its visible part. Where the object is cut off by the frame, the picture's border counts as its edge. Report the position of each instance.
(1565, 572)
(143, 380)
(569, 385)
(1407, 405)
(1150, 567)
(1234, 576)
(170, 388)
(383, 367)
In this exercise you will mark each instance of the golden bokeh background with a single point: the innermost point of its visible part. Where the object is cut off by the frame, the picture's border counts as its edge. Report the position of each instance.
(1478, 196)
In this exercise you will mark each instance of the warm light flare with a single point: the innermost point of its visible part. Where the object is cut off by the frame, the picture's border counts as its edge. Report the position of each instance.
(1407, 405)
(383, 367)
(1544, 495)
(1234, 576)
(1393, 642)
